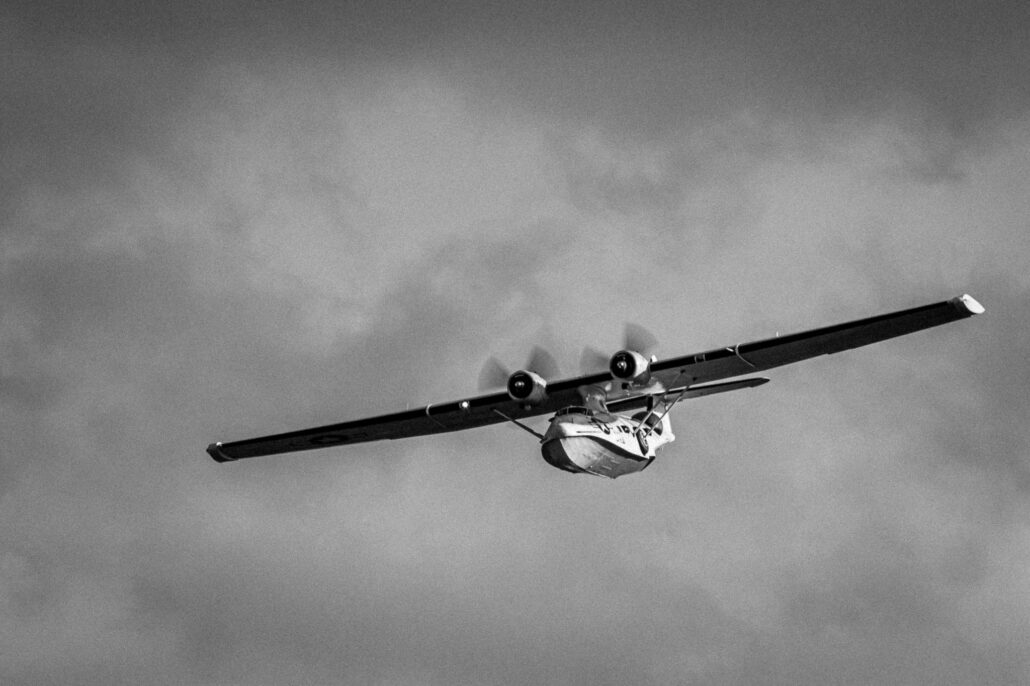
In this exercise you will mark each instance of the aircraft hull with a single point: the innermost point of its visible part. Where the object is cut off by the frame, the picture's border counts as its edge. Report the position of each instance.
(582, 454)
(579, 443)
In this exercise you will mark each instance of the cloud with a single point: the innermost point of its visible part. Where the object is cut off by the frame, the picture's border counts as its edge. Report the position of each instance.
(217, 224)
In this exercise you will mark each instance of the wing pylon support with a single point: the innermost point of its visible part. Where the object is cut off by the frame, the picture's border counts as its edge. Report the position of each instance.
(518, 424)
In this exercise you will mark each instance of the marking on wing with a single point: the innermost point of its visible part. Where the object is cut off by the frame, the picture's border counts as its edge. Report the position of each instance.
(329, 439)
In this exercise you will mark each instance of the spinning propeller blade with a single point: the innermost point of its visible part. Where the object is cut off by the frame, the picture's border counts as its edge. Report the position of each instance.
(592, 361)
(640, 339)
(635, 338)
(543, 363)
(495, 375)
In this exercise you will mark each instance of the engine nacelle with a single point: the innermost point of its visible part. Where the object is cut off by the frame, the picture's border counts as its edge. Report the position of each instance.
(630, 366)
(527, 387)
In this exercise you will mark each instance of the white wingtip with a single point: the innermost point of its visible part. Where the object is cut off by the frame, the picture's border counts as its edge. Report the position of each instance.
(970, 303)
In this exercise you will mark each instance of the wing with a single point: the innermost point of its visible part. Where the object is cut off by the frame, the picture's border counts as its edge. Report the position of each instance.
(746, 358)
(672, 376)
(431, 419)
(442, 418)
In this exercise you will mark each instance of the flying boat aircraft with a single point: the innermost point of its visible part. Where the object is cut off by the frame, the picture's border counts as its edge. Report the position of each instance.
(613, 422)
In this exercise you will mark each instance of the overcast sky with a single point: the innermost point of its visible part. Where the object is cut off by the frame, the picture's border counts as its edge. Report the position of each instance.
(223, 220)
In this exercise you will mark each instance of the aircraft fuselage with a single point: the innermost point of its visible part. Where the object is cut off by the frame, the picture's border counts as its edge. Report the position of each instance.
(610, 445)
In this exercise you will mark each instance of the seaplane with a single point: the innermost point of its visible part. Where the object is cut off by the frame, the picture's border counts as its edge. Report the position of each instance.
(614, 421)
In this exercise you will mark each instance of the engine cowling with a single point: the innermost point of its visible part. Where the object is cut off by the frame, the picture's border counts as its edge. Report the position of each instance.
(630, 366)
(527, 387)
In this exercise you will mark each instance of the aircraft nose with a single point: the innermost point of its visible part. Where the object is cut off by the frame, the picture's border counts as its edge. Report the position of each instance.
(560, 429)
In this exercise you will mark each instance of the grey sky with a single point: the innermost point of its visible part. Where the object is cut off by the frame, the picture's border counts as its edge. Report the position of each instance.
(222, 222)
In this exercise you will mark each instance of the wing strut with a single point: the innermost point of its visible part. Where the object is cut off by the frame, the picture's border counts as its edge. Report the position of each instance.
(644, 429)
(643, 433)
(518, 424)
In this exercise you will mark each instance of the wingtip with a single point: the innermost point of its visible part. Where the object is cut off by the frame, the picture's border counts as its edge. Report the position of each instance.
(970, 304)
(215, 451)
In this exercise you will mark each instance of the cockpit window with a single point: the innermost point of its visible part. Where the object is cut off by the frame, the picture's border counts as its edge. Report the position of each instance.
(573, 409)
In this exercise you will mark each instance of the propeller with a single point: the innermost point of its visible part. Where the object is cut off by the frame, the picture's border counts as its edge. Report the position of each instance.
(635, 337)
(639, 339)
(495, 375)
(542, 363)
(592, 361)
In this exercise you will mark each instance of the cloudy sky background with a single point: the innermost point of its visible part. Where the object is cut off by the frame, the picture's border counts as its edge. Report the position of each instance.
(217, 222)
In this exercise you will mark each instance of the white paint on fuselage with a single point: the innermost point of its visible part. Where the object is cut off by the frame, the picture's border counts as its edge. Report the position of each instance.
(606, 445)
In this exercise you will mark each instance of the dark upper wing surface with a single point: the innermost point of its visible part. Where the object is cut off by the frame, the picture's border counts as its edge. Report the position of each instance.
(431, 419)
(674, 374)
(745, 358)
